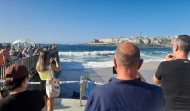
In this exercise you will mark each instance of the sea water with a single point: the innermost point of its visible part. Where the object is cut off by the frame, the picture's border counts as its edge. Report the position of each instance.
(82, 57)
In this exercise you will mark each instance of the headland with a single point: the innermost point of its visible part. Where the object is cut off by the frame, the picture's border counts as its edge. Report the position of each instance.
(158, 41)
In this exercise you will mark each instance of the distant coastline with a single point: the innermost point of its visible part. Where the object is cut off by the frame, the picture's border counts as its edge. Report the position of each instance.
(116, 44)
(158, 41)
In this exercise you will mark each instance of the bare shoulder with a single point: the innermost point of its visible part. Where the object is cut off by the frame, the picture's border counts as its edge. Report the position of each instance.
(1, 96)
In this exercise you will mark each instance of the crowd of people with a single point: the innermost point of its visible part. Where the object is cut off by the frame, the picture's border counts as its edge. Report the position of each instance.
(9, 53)
(127, 92)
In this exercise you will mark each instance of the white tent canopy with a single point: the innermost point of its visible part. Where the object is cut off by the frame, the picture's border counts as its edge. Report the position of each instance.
(27, 42)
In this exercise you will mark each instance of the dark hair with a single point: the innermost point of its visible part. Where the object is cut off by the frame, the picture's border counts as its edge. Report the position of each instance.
(7, 46)
(184, 43)
(128, 59)
(13, 84)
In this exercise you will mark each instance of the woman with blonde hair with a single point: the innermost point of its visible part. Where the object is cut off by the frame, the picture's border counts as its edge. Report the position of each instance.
(42, 67)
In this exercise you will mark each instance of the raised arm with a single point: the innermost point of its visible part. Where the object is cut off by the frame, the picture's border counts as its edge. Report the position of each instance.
(56, 66)
(1, 96)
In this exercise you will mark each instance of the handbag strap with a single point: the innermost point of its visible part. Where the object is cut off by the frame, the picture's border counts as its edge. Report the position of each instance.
(51, 71)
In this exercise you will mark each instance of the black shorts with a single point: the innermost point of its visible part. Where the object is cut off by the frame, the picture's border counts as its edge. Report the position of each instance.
(43, 87)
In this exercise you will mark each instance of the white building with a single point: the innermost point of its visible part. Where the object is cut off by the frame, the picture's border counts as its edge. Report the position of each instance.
(124, 39)
(146, 41)
(95, 41)
(106, 40)
(136, 40)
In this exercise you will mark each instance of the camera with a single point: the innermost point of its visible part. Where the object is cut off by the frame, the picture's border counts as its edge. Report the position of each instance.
(114, 70)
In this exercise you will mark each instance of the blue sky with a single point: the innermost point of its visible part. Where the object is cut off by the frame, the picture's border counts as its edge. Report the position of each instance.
(80, 21)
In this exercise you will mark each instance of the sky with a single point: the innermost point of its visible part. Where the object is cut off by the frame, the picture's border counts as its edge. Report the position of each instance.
(81, 21)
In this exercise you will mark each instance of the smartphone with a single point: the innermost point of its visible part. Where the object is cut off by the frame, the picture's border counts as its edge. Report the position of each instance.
(114, 71)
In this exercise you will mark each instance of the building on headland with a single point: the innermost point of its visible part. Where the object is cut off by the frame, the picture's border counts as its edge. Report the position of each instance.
(146, 40)
(136, 41)
(139, 40)
(124, 39)
(95, 41)
(111, 40)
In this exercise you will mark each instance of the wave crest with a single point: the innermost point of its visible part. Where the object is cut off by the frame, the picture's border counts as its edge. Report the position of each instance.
(87, 53)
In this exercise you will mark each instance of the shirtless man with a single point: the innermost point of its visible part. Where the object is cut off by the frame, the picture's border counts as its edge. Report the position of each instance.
(4, 55)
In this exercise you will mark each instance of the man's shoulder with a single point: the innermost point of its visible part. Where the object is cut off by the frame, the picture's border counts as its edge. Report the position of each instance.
(101, 90)
(166, 62)
(169, 62)
(152, 87)
(103, 87)
(111, 88)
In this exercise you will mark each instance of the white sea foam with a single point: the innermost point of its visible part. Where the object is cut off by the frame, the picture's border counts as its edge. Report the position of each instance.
(99, 59)
(162, 52)
(145, 55)
(98, 64)
(81, 65)
(87, 53)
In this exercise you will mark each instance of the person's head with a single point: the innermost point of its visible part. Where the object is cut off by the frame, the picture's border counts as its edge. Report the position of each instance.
(181, 44)
(43, 61)
(20, 49)
(16, 76)
(53, 46)
(46, 47)
(7, 47)
(127, 56)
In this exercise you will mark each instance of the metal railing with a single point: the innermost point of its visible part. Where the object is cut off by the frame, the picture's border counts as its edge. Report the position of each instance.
(29, 62)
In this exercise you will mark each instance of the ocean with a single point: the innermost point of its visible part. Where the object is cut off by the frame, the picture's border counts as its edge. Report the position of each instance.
(83, 57)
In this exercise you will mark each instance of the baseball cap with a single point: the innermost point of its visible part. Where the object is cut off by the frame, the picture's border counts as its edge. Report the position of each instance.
(16, 72)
